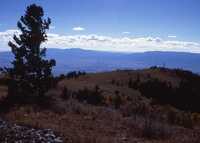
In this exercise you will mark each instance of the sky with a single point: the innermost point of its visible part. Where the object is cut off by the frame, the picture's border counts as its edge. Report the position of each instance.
(112, 25)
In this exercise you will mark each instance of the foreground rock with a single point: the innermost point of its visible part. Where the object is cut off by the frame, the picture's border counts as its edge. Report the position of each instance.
(10, 133)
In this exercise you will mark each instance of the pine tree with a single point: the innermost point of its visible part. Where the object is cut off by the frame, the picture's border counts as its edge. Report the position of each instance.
(31, 73)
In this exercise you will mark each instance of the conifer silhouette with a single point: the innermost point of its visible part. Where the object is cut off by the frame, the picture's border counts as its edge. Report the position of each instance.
(31, 73)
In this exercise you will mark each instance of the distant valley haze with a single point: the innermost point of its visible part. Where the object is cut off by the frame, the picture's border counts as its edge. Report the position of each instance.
(97, 61)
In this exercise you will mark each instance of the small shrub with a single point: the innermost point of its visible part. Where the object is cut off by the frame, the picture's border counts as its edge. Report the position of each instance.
(180, 118)
(65, 93)
(134, 109)
(113, 81)
(61, 77)
(154, 130)
(117, 100)
(187, 121)
(172, 117)
(93, 96)
(130, 82)
(75, 74)
(134, 83)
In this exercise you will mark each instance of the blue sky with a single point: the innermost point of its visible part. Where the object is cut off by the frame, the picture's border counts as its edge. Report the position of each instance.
(153, 21)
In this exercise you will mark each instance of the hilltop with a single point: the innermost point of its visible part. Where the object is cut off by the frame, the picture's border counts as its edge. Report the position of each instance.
(119, 106)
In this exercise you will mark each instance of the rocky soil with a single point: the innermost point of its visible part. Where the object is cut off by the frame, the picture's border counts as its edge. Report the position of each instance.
(12, 133)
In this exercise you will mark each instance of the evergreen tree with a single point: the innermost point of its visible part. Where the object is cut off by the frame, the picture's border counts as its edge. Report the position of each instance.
(31, 73)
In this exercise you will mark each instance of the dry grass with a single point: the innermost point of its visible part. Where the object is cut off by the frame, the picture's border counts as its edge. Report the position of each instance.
(135, 121)
(85, 123)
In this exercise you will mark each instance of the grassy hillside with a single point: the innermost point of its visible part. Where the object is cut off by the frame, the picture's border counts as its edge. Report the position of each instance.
(119, 106)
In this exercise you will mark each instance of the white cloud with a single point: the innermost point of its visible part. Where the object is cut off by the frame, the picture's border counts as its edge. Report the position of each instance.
(106, 43)
(5, 37)
(171, 36)
(126, 32)
(78, 29)
(125, 44)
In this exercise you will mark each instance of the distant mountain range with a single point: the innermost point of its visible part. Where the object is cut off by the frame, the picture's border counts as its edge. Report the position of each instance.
(96, 61)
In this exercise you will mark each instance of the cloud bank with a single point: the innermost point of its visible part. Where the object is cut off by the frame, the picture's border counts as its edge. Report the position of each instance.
(106, 43)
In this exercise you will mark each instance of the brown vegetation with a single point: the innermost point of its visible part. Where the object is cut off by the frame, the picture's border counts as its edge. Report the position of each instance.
(119, 113)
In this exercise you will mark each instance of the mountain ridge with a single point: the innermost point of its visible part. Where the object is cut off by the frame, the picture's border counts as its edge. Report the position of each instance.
(98, 61)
